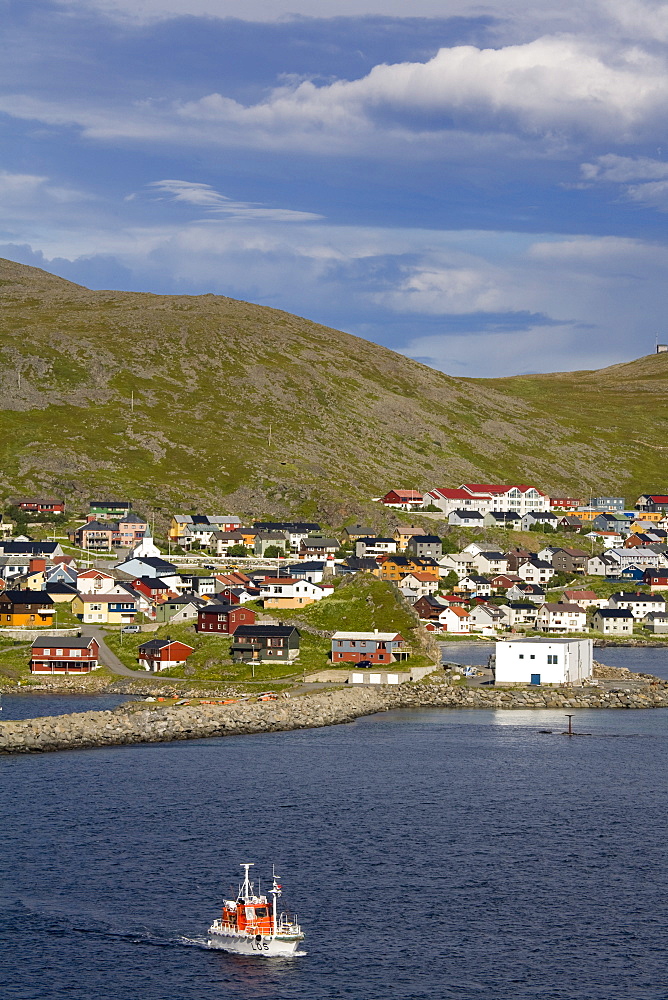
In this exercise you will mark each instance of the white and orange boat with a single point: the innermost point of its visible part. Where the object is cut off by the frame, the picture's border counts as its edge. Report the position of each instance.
(251, 925)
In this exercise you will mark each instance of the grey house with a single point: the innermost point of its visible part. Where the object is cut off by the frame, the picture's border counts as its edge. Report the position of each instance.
(425, 545)
(657, 622)
(265, 643)
(266, 539)
(470, 518)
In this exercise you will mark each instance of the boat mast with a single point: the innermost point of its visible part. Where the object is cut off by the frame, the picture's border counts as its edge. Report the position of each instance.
(276, 892)
(246, 889)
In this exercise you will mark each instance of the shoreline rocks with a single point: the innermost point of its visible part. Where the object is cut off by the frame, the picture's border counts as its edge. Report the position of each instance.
(134, 723)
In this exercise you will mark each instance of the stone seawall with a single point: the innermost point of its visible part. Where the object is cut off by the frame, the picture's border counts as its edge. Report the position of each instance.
(135, 723)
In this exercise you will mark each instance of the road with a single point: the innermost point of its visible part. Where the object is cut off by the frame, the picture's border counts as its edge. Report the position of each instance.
(109, 659)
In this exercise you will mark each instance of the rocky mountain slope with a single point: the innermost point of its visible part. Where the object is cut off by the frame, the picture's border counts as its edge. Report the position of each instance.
(210, 402)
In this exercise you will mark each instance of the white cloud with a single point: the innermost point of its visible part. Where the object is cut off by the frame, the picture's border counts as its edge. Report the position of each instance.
(612, 167)
(206, 197)
(546, 89)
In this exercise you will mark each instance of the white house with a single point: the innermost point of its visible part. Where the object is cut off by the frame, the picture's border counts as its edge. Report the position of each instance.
(518, 613)
(561, 618)
(94, 581)
(536, 571)
(604, 565)
(638, 604)
(490, 562)
(375, 547)
(454, 620)
(477, 585)
(416, 585)
(485, 616)
(543, 661)
(449, 501)
(460, 563)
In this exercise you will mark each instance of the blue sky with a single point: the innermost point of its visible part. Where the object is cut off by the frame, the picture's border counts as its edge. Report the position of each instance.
(482, 187)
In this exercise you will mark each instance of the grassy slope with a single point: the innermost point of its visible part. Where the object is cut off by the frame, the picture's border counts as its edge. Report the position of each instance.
(213, 377)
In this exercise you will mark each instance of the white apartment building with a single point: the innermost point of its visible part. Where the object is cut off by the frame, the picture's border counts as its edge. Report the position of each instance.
(516, 499)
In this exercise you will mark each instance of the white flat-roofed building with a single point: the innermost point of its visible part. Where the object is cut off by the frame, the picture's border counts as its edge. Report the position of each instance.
(544, 661)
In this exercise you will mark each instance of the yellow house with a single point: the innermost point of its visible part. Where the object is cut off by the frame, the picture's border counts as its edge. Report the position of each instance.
(25, 609)
(249, 536)
(586, 515)
(106, 609)
(404, 532)
(178, 526)
(650, 515)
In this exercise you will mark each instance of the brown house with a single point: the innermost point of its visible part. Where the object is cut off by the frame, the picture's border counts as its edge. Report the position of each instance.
(224, 618)
(570, 561)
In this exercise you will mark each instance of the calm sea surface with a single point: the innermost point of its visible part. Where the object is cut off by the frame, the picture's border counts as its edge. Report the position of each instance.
(429, 854)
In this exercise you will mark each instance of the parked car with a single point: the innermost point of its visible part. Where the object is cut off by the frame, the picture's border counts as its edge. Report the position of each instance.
(131, 628)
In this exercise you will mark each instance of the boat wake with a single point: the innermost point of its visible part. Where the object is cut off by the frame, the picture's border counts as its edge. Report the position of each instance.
(61, 924)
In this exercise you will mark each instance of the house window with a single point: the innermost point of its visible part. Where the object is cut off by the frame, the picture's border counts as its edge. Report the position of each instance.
(552, 658)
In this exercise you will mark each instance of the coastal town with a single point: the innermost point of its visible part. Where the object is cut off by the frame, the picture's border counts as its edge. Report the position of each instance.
(271, 599)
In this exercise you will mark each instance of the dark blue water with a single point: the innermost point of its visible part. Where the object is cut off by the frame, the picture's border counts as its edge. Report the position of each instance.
(429, 854)
(30, 706)
(641, 659)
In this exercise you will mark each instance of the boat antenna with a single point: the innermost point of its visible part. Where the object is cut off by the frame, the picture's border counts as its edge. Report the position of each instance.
(246, 888)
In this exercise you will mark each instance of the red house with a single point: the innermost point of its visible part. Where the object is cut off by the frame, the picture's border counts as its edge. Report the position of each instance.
(228, 595)
(160, 654)
(57, 654)
(406, 499)
(224, 618)
(156, 590)
(43, 506)
(566, 503)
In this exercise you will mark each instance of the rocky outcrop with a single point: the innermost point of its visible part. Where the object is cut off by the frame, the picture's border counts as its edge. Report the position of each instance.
(139, 723)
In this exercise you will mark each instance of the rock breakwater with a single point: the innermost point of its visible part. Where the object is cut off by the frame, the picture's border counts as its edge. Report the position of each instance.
(137, 723)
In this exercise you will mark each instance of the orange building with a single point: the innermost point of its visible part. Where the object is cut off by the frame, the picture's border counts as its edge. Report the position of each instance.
(25, 609)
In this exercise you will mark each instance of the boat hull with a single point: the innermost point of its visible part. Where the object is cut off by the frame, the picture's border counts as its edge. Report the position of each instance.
(247, 944)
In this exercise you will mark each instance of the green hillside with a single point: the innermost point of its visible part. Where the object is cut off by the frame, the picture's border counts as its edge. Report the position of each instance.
(210, 402)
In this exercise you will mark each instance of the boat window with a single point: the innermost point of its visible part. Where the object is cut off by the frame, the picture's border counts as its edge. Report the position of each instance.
(260, 911)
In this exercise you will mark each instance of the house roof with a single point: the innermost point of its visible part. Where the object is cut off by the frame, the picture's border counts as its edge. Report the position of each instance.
(60, 641)
(426, 539)
(421, 577)
(581, 595)
(380, 636)
(475, 514)
(485, 488)
(61, 588)
(153, 645)
(107, 598)
(219, 609)
(406, 494)
(561, 608)
(97, 526)
(637, 598)
(448, 494)
(27, 597)
(460, 612)
(279, 580)
(265, 631)
(491, 554)
(613, 613)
